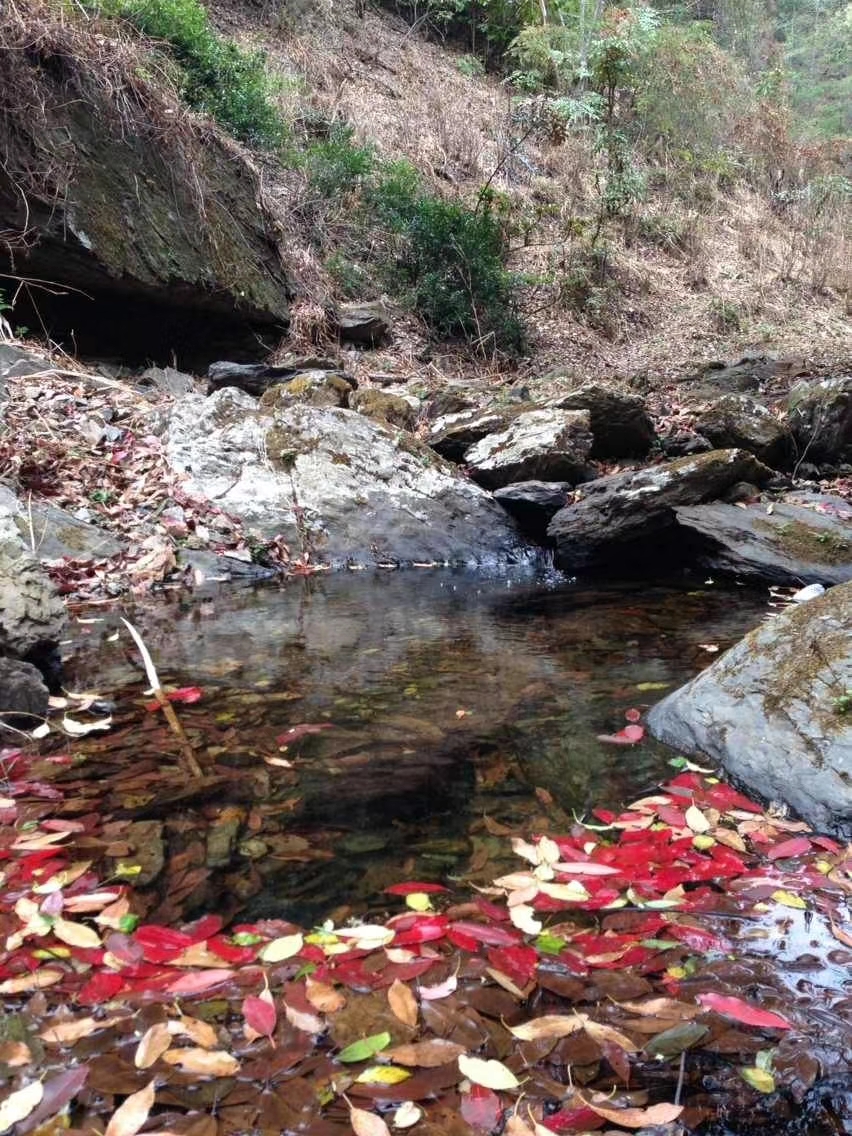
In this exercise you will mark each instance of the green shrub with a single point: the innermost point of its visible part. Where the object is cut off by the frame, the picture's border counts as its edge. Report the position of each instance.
(335, 165)
(217, 77)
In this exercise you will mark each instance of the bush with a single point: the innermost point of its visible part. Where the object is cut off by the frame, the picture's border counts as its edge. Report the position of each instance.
(336, 165)
(217, 77)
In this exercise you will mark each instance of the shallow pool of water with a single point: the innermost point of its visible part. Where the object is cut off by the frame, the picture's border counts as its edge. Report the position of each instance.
(457, 707)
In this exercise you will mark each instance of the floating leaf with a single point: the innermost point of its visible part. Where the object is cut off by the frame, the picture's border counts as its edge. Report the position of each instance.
(490, 1074)
(152, 1045)
(66, 1033)
(280, 949)
(199, 981)
(760, 1079)
(260, 1014)
(788, 899)
(672, 1042)
(324, 997)
(696, 820)
(205, 1062)
(407, 1115)
(307, 1023)
(419, 901)
(549, 1026)
(129, 1117)
(382, 1075)
(367, 1123)
(744, 1012)
(366, 1048)
(403, 1003)
(38, 980)
(603, 1033)
(426, 1054)
(638, 1117)
(18, 1105)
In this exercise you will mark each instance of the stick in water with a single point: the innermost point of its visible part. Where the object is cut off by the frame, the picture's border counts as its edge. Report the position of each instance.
(188, 759)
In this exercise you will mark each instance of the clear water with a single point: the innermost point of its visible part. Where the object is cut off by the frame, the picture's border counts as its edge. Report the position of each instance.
(459, 705)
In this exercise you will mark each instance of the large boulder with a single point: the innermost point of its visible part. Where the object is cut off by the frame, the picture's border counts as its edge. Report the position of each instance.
(538, 445)
(452, 435)
(785, 544)
(336, 485)
(620, 424)
(615, 514)
(23, 694)
(820, 415)
(150, 226)
(32, 616)
(776, 711)
(737, 421)
(534, 504)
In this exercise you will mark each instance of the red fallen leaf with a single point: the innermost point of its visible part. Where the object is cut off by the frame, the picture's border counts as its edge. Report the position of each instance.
(605, 816)
(724, 797)
(414, 888)
(186, 694)
(827, 843)
(260, 1015)
(796, 846)
(481, 1108)
(742, 1011)
(425, 930)
(463, 941)
(573, 1120)
(199, 981)
(161, 944)
(633, 715)
(491, 911)
(630, 735)
(203, 928)
(492, 936)
(696, 938)
(518, 963)
(302, 731)
(100, 988)
(668, 814)
(226, 951)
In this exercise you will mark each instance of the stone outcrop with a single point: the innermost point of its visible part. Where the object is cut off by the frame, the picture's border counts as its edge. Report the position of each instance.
(776, 711)
(613, 515)
(151, 227)
(620, 424)
(336, 485)
(32, 615)
(820, 416)
(737, 421)
(542, 445)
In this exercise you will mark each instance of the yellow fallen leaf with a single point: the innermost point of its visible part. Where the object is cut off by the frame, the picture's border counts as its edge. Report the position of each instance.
(788, 899)
(419, 901)
(760, 1079)
(382, 1075)
(490, 1074)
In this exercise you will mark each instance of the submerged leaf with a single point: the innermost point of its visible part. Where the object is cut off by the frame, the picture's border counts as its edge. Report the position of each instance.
(742, 1011)
(760, 1079)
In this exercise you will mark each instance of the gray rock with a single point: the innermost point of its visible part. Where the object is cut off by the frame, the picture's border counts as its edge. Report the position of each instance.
(365, 324)
(542, 445)
(17, 362)
(255, 378)
(774, 711)
(620, 424)
(820, 416)
(534, 504)
(392, 409)
(22, 693)
(313, 388)
(737, 421)
(792, 545)
(452, 435)
(211, 567)
(168, 380)
(746, 376)
(334, 484)
(32, 615)
(55, 533)
(616, 513)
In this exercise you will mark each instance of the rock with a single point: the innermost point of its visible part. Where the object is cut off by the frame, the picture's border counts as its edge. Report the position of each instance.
(392, 409)
(543, 445)
(167, 380)
(819, 414)
(334, 484)
(450, 400)
(774, 711)
(210, 567)
(57, 533)
(790, 545)
(151, 227)
(22, 692)
(534, 504)
(684, 443)
(620, 424)
(746, 376)
(365, 324)
(737, 421)
(32, 616)
(453, 434)
(615, 515)
(313, 388)
(16, 362)
(255, 378)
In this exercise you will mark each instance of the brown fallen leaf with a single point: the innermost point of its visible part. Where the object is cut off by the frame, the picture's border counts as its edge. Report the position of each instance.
(367, 1123)
(602, 1033)
(549, 1025)
(323, 996)
(153, 1044)
(662, 1113)
(403, 1003)
(664, 1008)
(15, 1054)
(38, 980)
(202, 1033)
(65, 1033)
(129, 1117)
(205, 1062)
(426, 1054)
(307, 1023)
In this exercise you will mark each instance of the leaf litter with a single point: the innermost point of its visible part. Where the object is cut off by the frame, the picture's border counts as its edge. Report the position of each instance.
(655, 930)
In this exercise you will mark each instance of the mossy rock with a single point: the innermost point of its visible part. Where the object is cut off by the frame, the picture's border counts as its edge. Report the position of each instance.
(384, 407)
(312, 388)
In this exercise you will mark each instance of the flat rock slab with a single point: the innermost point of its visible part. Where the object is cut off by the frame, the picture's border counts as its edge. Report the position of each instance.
(53, 533)
(616, 512)
(790, 545)
(773, 711)
(543, 445)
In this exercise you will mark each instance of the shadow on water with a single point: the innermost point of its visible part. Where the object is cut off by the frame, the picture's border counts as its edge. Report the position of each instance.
(459, 707)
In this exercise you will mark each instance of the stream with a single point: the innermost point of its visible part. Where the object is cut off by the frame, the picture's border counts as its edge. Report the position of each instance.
(445, 708)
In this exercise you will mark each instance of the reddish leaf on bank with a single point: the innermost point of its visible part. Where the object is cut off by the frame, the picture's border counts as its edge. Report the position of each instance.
(260, 1014)
(481, 1108)
(100, 988)
(744, 1012)
(797, 846)
(630, 735)
(413, 888)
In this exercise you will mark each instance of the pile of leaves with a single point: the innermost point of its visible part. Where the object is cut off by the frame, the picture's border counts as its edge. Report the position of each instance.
(618, 980)
(83, 444)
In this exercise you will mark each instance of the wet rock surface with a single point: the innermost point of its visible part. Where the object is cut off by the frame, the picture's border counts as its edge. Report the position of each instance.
(545, 445)
(32, 616)
(774, 711)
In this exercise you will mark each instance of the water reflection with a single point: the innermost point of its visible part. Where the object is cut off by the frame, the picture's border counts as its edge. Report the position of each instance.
(460, 706)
